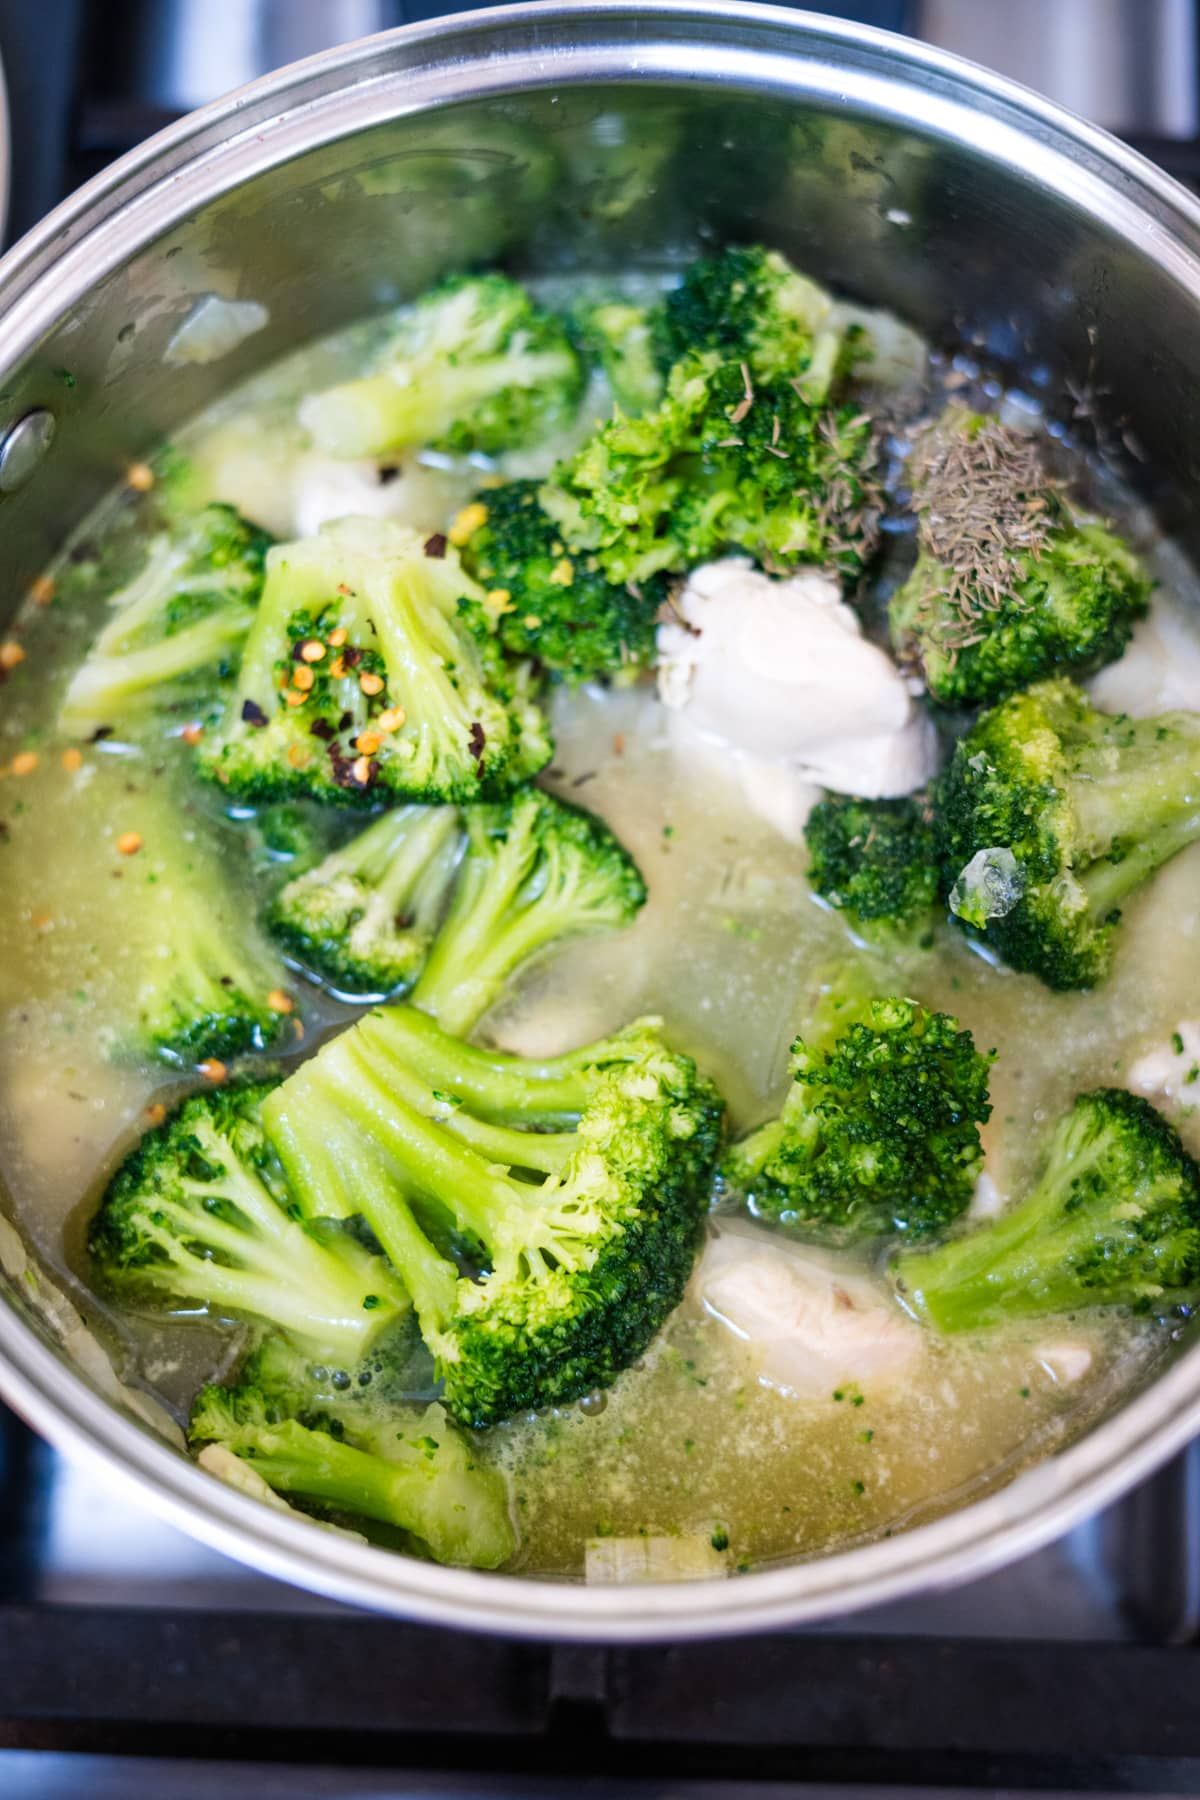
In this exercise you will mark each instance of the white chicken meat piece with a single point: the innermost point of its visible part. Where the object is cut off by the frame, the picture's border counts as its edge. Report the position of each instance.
(324, 488)
(778, 671)
(1169, 1069)
(1159, 672)
(780, 796)
(809, 1323)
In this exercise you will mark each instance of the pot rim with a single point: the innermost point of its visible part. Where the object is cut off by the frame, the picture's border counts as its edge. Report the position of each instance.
(431, 65)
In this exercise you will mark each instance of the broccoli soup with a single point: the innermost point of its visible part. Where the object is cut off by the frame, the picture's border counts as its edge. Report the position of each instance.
(600, 978)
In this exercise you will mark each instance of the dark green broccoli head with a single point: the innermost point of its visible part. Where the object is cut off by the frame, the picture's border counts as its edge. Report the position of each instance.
(536, 870)
(875, 860)
(473, 365)
(1113, 1220)
(568, 1306)
(1051, 814)
(724, 463)
(751, 306)
(880, 1131)
(780, 478)
(543, 603)
(199, 1215)
(1010, 584)
(207, 985)
(616, 496)
(364, 918)
(176, 628)
(621, 336)
(586, 1235)
(361, 682)
(340, 1446)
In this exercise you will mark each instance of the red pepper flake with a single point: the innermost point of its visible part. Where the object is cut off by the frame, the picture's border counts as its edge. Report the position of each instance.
(252, 713)
(477, 741)
(341, 767)
(321, 728)
(436, 545)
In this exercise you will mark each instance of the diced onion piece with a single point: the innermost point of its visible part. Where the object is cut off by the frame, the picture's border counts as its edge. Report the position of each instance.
(213, 328)
(620, 1561)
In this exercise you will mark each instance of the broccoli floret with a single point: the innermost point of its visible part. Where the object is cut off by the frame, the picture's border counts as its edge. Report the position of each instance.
(751, 306)
(722, 464)
(536, 870)
(1050, 816)
(473, 365)
(876, 861)
(364, 918)
(1113, 1220)
(587, 1236)
(289, 835)
(880, 1131)
(620, 336)
(347, 1449)
(789, 482)
(205, 980)
(199, 1215)
(361, 682)
(553, 606)
(176, 627)
(1011, 584)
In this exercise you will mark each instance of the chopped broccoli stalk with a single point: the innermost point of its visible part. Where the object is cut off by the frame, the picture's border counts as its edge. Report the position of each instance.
(199, 1215)
(1051, 815)
(364, 918)
(1113, 1220)
(751, 306)
(620, 336)
(352, 1451)
(205, 979)
(473, 365)
(557, 607)
(723, 463)
(584, 1259)
(876, 861)
(1011, 584)
(176, 628)
(361, 681)
(536, 870)
(880, 1131)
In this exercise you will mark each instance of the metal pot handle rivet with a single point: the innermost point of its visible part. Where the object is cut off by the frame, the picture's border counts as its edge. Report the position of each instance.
(23, 447)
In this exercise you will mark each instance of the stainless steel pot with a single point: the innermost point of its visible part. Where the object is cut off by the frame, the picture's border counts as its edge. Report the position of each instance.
(550, 137)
